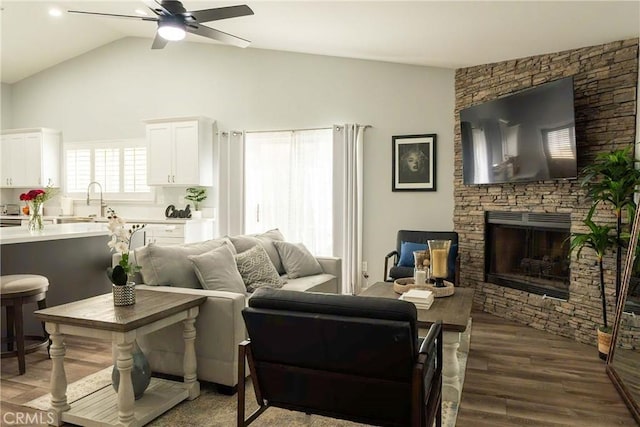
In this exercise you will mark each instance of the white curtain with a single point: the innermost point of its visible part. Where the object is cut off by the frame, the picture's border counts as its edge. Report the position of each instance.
(228, 189)
(288, 185)
(348, 192)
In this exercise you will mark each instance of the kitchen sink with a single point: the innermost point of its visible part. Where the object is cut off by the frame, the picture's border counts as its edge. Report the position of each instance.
(73, 219)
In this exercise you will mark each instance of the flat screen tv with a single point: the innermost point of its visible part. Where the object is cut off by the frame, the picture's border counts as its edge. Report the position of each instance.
(526, 136)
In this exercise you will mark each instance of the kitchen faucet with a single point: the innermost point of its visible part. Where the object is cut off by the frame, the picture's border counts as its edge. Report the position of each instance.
(102, 203)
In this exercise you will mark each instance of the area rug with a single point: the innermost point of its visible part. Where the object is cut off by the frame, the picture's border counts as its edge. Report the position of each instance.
(212, 409)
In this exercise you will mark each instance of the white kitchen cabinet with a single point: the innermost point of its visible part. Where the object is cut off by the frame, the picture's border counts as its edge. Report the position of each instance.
(176, 234)
(180, 151)
(30, 158)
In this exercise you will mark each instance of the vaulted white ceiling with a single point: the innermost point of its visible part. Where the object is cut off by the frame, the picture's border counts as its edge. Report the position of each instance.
(448, 34)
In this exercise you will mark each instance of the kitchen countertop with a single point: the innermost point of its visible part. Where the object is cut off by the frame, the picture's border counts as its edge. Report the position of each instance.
(131, 221)
(103, 220)
(10, 235)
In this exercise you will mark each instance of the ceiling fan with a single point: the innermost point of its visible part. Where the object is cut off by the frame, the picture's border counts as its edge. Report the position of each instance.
(174, 21)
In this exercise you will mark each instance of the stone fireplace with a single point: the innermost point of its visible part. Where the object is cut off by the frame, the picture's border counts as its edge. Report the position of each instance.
(528, 251)
(515, 280)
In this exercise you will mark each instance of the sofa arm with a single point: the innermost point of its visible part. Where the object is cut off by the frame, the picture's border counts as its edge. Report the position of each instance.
(332, 265)
(219, 330)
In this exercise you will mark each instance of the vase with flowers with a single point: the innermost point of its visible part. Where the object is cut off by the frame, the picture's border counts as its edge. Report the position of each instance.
(122, 274)
(35, 201)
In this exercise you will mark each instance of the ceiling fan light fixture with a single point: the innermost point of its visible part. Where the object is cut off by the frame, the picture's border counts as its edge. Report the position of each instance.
(171, 30)
(54, 11)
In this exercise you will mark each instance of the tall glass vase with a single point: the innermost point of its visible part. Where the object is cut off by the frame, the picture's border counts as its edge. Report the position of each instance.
(140, 372)
(35, 216)
(439, 250)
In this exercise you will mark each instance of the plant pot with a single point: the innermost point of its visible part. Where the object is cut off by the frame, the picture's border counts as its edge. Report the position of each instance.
(124, 295)
(196, 215)
(604, 342)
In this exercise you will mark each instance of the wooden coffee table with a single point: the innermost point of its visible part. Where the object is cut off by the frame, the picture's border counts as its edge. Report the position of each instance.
(97, 317)
(455, 313)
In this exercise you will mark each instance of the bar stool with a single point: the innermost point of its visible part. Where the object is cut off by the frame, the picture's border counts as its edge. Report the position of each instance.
(16, 290)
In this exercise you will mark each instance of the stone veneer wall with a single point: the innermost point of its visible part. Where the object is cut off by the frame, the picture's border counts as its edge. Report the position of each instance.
(605, 85)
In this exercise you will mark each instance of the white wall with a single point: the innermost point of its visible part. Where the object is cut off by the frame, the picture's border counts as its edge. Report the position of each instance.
(5, 106)
(105, 94)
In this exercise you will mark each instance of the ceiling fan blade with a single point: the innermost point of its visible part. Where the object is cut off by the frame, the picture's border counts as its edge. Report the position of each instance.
(159, 42)
(216, 14)
(156, 7)
(113, 15)
(221, 36)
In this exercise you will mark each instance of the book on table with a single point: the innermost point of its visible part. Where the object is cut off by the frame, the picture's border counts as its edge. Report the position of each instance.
(421, 298)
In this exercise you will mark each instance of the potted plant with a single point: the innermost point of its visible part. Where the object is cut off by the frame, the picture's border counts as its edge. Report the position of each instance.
(196, 195)
(612, 179)
(122, 274)
(599, 238)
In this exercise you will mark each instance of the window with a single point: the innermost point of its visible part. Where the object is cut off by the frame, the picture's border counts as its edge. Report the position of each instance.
(288, 184)
(560, 142)
(119, 166)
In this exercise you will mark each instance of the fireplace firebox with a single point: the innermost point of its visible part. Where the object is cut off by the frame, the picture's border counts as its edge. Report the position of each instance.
(528, 251)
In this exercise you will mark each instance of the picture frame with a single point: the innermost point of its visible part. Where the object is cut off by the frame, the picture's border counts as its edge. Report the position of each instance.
(413, 162)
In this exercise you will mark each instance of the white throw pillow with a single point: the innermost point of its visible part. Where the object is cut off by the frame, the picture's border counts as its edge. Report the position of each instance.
(256, 269)
(297, 260)
(217, 271)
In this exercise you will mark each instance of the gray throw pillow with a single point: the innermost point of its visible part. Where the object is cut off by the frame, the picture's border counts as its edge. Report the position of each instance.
(217, 270)
(243, 243)
(169, 265)
(297, 260)
(256, 269)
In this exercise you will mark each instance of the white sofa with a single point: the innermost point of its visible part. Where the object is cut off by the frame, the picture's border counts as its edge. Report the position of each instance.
(219, 326)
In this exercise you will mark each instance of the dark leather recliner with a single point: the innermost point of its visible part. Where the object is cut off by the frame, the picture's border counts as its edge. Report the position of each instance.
(341, 356)
(398, 272)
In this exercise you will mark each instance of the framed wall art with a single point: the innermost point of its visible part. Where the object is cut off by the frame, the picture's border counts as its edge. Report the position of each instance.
(414, 162)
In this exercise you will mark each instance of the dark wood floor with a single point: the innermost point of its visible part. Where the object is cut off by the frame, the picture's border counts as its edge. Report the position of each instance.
(516, 376)
(519, 376)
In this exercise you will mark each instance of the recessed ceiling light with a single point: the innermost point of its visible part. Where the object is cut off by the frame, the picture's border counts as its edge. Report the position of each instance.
(54, 11)
(141, 12)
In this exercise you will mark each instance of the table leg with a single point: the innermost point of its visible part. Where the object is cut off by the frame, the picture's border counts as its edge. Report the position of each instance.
(451, 389)
(58, 376)
(125, 387)
(465, 338)
(189, 363)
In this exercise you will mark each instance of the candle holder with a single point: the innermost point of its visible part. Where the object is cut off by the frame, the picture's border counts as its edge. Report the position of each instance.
(439, 254)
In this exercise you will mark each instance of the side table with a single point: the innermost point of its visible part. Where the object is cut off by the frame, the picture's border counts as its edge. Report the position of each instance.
(97, 317)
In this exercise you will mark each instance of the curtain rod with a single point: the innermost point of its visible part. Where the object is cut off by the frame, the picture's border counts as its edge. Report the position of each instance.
(289, 130)
(338, 127)
(303, 129)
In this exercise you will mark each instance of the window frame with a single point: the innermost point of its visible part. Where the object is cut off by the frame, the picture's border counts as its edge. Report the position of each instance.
(119, 144)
